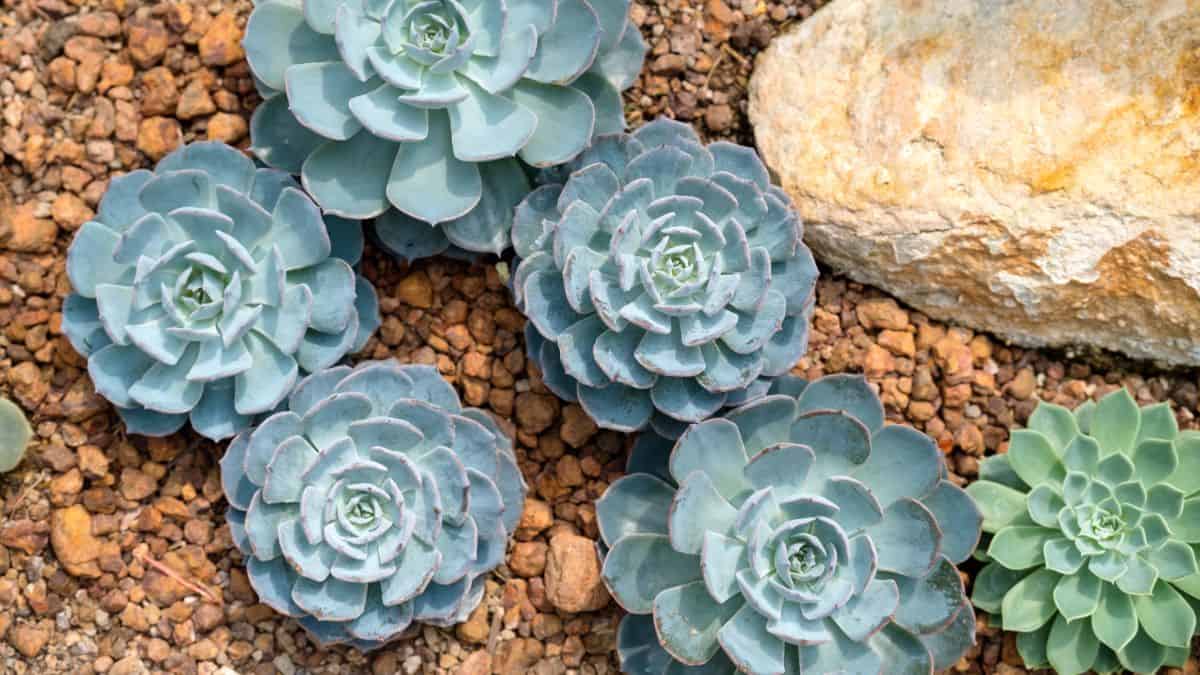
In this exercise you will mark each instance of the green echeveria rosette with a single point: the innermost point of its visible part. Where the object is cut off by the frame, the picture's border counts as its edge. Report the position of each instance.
(417, 111)
(796, 534)
(204, 289)
(372, 501)
(1095, 518)
(663, 279)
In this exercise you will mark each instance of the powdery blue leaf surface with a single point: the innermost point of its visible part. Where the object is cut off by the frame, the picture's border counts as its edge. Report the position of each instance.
(388, 108)
(208, 286)
(753, 547)
(382, 516)
(643, 234)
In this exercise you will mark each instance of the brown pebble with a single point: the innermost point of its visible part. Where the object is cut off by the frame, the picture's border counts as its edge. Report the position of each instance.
(222, 43)
(535, 519)
(719, 117)
(882, 313)
(92, 461)
(573, 574)
(24, 535)
(147, 41)
(158, 136)
(476, 628)
(130, 665)
(69, 211)
(577, 426)
(416, 290)
(30, 638)
(160, 94)
(195, 101)
(136, 485)
(1023, 385)
(226, 128)
(26, 232)
(536, 412)
(477, 663)
(73, 542)
(100, 24)
(528, 558)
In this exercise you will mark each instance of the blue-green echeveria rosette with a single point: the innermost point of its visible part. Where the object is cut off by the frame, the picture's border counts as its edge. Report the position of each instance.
(417, 111)
(372, 501)
(1094, 518)
(796, 534)
(663, 280)
(204, 289)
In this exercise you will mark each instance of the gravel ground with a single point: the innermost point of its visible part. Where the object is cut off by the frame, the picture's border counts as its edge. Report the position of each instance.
(114, 556)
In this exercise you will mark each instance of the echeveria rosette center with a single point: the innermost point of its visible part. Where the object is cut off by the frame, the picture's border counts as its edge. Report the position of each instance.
(663, 279)
(416, 112)
(372, 501)
(1093, 516)
(795, 534)
(204, 289)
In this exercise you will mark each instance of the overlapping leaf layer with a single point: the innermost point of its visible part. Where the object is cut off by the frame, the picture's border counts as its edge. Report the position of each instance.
(204, 289)
(416, 111)
(372, 501)
(1095, 519)
(663, 280)
(797, 534)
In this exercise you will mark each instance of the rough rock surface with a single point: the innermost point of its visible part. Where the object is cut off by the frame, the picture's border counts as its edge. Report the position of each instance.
(1027, 172)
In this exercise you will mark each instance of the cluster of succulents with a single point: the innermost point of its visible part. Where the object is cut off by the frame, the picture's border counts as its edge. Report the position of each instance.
(372, 500)
(1094, 518)
(796, 534)
(203, 290)
(767, 525)
(663, 280)
(14, 435)
(417, 111)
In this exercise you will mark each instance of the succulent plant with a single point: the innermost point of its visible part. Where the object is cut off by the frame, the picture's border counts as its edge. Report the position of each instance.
(663, 280)
(416, 111)
(1094, 517)
(203, 289)
(796, 534)
(14, 435)
(372, 501)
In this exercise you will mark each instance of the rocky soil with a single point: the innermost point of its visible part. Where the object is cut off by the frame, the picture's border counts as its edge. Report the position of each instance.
(114, 555)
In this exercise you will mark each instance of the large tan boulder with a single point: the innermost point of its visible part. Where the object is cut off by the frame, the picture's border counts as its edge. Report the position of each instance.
(1024, 167)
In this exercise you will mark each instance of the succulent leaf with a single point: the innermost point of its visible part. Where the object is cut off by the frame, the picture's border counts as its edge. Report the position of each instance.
(204, 289)
(15, 434)
(661, 286)
(1091, 530)
(372, 500)
(749, 552)
(415, 111)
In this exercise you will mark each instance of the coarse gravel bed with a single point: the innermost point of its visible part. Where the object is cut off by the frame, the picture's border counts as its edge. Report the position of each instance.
(114, 555)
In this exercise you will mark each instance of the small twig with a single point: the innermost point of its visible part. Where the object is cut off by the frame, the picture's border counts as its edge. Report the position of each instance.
(716, 64)
(494, 631)
(165, 569)
(25, 491)
(726, 49)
